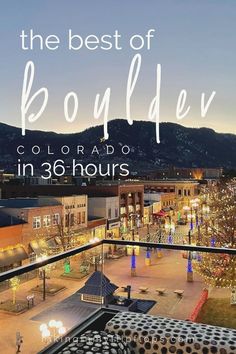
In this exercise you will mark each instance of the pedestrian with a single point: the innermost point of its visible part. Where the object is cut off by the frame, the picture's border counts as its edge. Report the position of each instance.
(19, 341)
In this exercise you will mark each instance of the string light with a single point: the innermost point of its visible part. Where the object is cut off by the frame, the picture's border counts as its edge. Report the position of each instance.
(218, 230)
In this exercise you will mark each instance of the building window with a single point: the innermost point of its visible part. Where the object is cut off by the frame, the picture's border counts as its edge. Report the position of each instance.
(67, 217)
(78, 218)
(123, 210)
(109, 213)
(83, 217)
(55, 219)
(46, 220)
(96, 299)
(72, 219)
(179, 192)
(36, 222)
(116, 213)
(131, 208)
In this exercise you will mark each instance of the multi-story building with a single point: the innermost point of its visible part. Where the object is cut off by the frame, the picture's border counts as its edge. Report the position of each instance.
(74, 209)
(130, 197)
(184, 191)
(109, 208)
(39, 221)
(45, 224)
(161, 201)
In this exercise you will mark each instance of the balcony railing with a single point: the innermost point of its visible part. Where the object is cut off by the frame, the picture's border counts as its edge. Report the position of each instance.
(85, 287)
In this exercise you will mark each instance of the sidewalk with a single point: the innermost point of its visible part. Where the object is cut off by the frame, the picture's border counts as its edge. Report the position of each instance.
(10, 324)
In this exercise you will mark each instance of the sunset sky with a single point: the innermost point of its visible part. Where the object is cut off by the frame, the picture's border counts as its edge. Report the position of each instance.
(194, 42)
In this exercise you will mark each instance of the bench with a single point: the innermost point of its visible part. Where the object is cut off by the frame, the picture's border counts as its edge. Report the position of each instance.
(179, 292)
(161, 291)
(143, 289)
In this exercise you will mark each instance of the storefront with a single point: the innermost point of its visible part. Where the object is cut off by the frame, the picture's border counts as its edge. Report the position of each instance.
(12, 257)
(147, 214)
(113, 229)
(97, 228)
(44, 247)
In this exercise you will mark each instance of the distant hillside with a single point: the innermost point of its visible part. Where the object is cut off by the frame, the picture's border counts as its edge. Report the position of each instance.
(180, 146)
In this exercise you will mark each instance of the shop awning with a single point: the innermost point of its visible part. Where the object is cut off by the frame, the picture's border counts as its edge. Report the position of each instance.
(166, 209)
(12, 256)
(41, 247)
(160, 213)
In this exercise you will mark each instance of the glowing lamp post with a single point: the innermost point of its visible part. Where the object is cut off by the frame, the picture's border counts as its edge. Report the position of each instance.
(43, 273)
(52, 330)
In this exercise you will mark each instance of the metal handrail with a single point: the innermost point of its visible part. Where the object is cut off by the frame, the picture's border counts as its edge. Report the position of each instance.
(72, 252)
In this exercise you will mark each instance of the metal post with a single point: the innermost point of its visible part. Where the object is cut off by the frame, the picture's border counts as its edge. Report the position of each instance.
(189, 265)
(133, 259)
(44, 284)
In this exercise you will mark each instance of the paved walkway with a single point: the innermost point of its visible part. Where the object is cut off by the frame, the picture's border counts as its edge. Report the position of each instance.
(167, 272)
(10, 324)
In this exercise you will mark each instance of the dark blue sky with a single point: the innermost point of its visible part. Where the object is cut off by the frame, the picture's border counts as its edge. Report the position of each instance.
(194, 43)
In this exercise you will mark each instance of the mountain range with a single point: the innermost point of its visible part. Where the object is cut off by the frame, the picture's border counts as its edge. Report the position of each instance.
(180, 146)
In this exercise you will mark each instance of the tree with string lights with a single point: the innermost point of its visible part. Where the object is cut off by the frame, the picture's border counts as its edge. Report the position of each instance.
(218, 229)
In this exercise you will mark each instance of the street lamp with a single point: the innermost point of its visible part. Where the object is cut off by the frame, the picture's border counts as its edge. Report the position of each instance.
(189, 264)
(92, 241)
(52, 330)
(43, 273)
(194, 207)
(133, 256)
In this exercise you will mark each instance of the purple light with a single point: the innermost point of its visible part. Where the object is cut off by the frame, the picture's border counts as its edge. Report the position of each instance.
(189, 266)
(213, 241)
(199, 257)
(148, 254)
(191, 225)
(133, 261)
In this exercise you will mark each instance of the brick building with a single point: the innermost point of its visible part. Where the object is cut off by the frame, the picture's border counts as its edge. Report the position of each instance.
(38, 221)
(130, 197)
